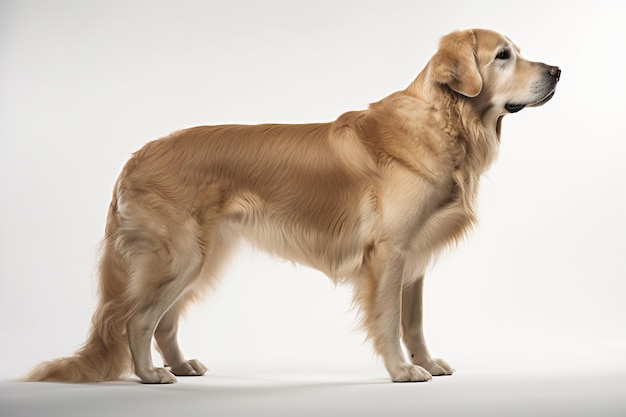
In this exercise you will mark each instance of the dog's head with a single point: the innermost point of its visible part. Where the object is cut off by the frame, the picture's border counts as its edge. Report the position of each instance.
(487, 68)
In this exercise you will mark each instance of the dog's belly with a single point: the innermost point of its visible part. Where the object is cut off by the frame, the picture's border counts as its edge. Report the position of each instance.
(338, 259)
(333, 243)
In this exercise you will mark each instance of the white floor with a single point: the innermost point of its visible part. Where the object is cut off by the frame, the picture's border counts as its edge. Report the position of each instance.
(363, 393)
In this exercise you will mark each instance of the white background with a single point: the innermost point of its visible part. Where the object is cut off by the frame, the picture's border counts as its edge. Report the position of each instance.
(539, 286)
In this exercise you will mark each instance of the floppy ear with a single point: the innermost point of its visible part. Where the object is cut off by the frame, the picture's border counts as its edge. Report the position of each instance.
(455, 64)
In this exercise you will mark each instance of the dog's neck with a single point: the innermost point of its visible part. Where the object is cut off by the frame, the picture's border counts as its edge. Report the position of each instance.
(481, 124)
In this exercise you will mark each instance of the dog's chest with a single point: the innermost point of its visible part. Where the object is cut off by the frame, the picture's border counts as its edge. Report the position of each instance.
(422, 217)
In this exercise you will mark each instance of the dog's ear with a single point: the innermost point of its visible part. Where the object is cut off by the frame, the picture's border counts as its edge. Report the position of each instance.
(455, 64)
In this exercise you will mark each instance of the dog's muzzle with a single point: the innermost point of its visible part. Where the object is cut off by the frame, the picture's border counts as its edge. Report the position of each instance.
(554, 74)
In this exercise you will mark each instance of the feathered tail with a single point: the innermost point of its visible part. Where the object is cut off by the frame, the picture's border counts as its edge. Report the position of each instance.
(105, 356)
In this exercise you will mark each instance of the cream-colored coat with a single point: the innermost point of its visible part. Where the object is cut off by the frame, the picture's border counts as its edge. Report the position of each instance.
(368, 199)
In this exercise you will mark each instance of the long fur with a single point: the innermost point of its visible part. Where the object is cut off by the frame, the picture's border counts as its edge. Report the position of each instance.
(368, 199)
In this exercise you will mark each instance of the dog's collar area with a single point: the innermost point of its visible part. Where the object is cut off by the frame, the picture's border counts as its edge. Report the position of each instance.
(514, 108)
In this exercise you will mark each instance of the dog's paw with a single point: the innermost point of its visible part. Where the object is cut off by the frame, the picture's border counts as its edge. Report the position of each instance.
(192, 367)
(436, 367)
(157, 376)
(410, 373)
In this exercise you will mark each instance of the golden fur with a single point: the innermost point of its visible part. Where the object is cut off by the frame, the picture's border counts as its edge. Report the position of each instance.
(368, 199)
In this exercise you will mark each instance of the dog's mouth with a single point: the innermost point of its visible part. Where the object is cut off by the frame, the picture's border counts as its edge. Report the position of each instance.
(514, 108)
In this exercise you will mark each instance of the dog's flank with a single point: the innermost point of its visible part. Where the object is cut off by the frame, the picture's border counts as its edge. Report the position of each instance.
(369, 199)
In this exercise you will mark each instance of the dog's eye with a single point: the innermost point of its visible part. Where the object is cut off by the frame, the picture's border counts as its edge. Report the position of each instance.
(504, 54)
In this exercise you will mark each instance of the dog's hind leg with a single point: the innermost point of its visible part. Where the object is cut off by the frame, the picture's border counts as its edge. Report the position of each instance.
(202, 257)
(149, 309)
(164, 262)
(167, 344)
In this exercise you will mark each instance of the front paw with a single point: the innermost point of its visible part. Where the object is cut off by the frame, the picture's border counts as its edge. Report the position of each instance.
(435, 366)
(410, 373)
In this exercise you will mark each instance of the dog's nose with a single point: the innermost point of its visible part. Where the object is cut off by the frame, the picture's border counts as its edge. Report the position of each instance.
(555, 72)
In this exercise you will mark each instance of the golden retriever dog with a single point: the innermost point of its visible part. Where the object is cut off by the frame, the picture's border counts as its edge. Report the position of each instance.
(369, 199)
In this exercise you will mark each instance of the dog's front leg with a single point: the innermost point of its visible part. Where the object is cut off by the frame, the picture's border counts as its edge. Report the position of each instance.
(381, 300)
(413, 334)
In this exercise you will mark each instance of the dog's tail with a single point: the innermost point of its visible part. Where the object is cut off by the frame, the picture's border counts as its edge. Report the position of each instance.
(105, 356)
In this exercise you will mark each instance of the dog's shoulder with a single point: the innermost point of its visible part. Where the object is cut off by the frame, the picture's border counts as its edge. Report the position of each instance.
(402, 129)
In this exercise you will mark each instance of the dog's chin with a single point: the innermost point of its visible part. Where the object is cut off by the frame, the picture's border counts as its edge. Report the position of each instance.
(515, 107)
(543, 100)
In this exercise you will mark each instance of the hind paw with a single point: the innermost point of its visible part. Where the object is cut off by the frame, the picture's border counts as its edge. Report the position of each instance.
(192, 367)
(157, 376)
